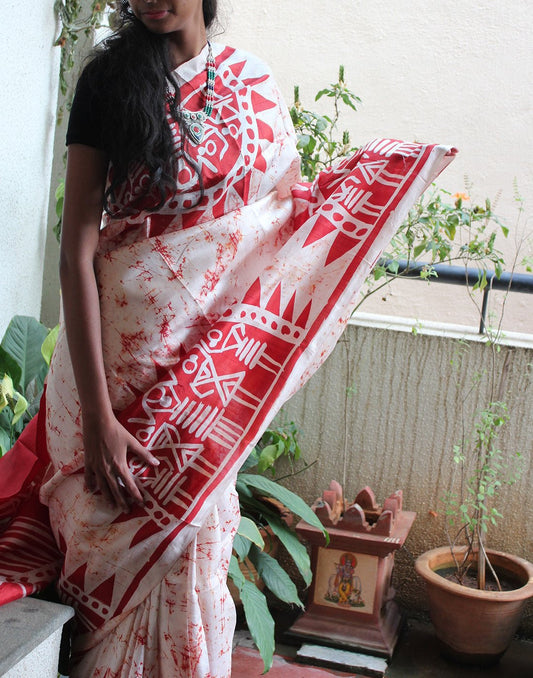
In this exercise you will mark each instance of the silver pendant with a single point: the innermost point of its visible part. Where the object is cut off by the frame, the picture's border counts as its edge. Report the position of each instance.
(194, 125)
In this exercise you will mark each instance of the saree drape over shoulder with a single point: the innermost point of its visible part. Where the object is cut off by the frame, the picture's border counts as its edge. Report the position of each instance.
(214, 311)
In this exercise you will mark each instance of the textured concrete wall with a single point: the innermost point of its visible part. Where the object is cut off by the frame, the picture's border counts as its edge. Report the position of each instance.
(449, 71)
(28, 82)
(385, 411)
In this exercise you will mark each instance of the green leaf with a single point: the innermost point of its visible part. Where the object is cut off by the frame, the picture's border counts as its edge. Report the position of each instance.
(241, 546)
(8, 365)
(379, 272)
(242, 489)
(347, 100)
(20, 407)
(48, 345)
(294, 547)
(303, 141)
(321, 124)
(418, 250)
(251, 461)
(275, 577)
(269, 455)
(322, 92)
(259, 621)
(22, 341)
(289, 499)
(5, 441)
(235, 573)
(249, 530)
(7, 392)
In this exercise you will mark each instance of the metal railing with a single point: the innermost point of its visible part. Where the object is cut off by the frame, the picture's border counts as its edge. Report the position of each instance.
(459, 275)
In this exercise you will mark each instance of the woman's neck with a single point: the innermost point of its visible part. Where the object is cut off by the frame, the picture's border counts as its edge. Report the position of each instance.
(183, 47)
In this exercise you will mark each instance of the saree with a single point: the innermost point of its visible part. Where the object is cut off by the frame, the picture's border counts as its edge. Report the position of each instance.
(215, 310)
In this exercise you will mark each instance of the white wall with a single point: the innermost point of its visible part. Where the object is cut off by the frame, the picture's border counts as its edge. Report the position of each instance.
(28, 83)
(450, 72)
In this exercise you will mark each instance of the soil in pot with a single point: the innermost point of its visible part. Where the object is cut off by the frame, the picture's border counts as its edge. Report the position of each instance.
(469, 579)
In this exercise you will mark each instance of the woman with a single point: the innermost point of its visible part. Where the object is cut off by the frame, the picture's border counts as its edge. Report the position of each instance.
(216, 286)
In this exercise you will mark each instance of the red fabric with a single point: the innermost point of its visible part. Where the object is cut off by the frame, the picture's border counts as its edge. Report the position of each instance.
(29, 558)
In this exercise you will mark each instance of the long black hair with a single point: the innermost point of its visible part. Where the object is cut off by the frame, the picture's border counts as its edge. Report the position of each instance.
(130, 75)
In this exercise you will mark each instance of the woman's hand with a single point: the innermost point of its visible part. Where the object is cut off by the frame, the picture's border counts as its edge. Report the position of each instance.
(107, 444)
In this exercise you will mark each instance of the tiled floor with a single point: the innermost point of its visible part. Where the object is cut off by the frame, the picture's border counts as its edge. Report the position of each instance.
(417, 656)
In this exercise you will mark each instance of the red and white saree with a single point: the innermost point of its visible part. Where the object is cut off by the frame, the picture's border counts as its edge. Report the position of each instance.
(212, 316)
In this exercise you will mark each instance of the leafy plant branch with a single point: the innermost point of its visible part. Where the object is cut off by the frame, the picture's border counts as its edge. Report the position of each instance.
(73, 24)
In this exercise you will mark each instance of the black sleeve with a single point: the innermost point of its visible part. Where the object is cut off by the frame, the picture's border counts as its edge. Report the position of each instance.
(85, 121)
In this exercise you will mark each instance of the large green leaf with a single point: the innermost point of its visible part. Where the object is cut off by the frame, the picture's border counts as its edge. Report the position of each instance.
(275, 577)
(21, 406)
(241, 546)
(242, 489)
(289, 499)
(9, 365)
(234, 572)
(258, 617)
(249, 530)
(22, 341)
(48, 345)
(294, 546)
(259, 621)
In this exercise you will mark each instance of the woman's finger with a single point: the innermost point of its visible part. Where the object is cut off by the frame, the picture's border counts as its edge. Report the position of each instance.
(130, 486)
(116, 493)
(139, 451)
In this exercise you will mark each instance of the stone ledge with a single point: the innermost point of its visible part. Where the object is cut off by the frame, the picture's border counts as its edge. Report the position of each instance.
(25, 624)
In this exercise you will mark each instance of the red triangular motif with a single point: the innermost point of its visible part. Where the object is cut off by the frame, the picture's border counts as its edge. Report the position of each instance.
(253, 296)
(242, 187)
(274, 303)
(265, 131)
(343, 243)
(260, 103)
(321, 229)
(288, 313)
(78, 577)
(146, 531)
(104, 592)
(236, 69)
(304, 316)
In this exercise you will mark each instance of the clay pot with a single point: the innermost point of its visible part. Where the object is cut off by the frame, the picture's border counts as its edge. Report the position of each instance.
(473, 626)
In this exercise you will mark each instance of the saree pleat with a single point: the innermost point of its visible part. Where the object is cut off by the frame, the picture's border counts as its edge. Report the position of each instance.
(214, 311)
(184, 627)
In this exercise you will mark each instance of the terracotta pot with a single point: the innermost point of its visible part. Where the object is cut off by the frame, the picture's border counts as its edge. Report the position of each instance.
(475, 627)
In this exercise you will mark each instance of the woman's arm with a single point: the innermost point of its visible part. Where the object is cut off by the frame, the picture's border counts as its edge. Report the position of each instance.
(106, 441)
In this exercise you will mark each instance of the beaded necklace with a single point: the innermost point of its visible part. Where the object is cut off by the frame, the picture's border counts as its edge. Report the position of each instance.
(195, 122)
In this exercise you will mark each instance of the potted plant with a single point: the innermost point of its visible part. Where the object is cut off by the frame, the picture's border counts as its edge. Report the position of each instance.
(476, 595)
(267, 509)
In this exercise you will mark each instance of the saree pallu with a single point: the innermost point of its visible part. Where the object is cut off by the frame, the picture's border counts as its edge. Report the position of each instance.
(215, 310)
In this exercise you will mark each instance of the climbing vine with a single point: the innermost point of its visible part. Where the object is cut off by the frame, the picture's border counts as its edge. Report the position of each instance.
(76, 18)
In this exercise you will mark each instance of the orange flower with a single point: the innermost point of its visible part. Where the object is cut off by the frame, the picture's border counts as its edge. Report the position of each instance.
(461, 196)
